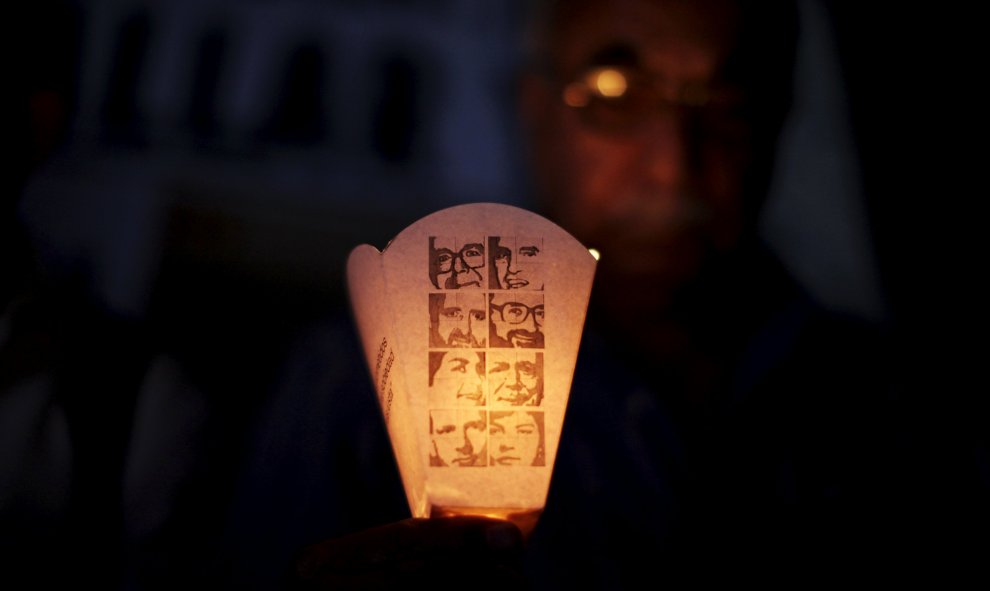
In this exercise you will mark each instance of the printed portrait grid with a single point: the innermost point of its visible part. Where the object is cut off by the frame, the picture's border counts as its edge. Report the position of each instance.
(486, 350)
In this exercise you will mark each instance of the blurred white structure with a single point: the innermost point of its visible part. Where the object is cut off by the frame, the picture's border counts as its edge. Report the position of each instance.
(816, 217)
(286, 132)
(269, 137)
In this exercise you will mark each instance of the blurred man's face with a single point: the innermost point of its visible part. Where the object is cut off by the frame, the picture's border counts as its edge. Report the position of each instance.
(640, 146)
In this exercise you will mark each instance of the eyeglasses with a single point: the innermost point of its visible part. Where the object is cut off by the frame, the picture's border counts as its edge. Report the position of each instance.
(516, 313)
(619, 98)
(471, 256)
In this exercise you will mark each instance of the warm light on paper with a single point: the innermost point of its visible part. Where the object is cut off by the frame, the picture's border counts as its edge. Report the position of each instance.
(470, 322)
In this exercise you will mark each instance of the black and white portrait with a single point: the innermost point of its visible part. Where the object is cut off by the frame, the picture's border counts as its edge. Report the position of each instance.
(515, 438)
(458, 438)
(515, 263)
(457, 263)
(515, 319)
(515, 377)
(458, 320)
(457, 378)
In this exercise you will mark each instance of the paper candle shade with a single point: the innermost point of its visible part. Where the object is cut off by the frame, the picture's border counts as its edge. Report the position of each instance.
(471, 320)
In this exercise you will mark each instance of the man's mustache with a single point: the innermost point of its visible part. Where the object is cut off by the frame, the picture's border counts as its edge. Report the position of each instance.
(533, 339)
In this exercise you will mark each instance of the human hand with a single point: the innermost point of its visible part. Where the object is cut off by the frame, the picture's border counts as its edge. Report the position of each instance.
(475, 552)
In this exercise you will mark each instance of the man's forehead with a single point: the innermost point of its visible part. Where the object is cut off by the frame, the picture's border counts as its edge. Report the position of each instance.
(516, 417)
(529, 299)
(513, 356)
(455, 243)
(458, 415)
(443, 416)
(525, 242)
(473, 301)
(673, 38)
(526, 356)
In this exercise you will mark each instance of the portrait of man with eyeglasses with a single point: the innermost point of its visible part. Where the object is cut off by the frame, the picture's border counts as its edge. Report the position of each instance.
(457, 263)
(515, 320)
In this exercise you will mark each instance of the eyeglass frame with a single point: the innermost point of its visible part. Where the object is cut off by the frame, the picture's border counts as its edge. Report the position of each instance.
(668, 95)
(530, 311)
(442, 268)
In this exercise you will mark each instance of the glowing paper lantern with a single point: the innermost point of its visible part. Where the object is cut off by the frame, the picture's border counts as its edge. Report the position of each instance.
(471, 320)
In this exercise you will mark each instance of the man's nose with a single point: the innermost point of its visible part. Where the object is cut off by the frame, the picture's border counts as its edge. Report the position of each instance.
(459, 266)
(504, 447)
(467, 448)
(666, 149)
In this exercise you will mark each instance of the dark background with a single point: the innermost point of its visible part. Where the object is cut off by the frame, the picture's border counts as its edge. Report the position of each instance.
(184, 181)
